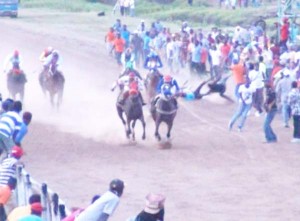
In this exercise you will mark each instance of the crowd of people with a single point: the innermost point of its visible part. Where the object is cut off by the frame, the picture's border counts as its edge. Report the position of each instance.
(263, 68)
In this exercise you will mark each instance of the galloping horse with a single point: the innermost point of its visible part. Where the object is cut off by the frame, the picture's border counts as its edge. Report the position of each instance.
(164, 109)
(16, 80)
(54, 84)
(133, 110)
(151, 83)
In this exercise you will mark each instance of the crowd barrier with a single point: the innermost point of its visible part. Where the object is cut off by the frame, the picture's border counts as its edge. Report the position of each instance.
(53, 207)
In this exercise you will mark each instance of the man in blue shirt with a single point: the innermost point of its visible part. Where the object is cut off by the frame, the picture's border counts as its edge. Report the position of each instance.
(27, 116)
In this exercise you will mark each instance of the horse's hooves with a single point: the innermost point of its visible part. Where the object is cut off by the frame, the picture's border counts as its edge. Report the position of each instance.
(165, 145)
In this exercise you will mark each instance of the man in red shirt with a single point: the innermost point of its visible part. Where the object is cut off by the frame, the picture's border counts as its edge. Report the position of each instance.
(284, 33)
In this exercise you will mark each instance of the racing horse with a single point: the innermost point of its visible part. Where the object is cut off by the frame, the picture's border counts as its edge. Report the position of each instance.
(163, 109)
(151, 83)
(133, 110)
(16, 80)
(53, 82)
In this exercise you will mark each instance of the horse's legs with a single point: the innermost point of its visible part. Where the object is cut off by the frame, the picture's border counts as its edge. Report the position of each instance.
(144, 127)
(128, 131)
(157, 123)
(133, 132)
(170, 125)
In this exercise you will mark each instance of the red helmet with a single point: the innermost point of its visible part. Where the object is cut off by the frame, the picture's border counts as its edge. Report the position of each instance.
(17, 152)
(16, 53)
(133, 92)
(131, 75)
(167, 78)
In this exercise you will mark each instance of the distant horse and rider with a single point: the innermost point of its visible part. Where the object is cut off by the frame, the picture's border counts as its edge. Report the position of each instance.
(16, 80)
(52, 81)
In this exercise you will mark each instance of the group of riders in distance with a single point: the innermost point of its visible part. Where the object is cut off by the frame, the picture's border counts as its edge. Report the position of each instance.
(50, 78)
(161, 90)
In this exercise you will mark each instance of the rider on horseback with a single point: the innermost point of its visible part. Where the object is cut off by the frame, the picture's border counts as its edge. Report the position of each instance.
(129, 83)
(48, 51)
(170, 81)
(52, 62)
(153, 62)
(127, 59)
(12, 63)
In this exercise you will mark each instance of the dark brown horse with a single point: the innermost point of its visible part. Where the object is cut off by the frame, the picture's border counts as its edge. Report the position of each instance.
(16, 84)
(133, 110)
(54, 84)
(164, 109)
(151, 83)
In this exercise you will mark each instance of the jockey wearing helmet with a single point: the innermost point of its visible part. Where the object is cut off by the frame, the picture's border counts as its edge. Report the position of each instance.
(170, 81)
(52, 61)
(129, 83)
(153, 62)
(12, 62)
(46, 53)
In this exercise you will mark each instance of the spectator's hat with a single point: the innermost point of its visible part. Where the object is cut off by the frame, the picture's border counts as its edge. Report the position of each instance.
(154, 203)
(36, 207)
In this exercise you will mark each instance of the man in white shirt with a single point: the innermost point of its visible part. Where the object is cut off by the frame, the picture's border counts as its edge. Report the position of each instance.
(104, 207)
(257, 83)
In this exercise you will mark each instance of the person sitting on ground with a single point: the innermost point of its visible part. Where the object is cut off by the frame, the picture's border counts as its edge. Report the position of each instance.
(27, 116)
(154, 209)
(23, 211)
(104, 207)
(36, 213)
(8, 166)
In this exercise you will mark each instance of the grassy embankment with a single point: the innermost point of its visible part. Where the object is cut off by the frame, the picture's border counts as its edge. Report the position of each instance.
(200, 14)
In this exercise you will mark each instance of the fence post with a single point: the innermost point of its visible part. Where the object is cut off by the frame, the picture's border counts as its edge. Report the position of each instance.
(45, 202)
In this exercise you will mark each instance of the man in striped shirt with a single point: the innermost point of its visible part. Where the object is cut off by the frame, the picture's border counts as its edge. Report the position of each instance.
(8, 166)
(10, 124)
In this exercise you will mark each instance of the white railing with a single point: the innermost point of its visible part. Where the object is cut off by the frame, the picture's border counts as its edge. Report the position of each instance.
(53, 207)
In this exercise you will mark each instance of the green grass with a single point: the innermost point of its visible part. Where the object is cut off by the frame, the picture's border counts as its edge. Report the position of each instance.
(65, 5)
(203, 13)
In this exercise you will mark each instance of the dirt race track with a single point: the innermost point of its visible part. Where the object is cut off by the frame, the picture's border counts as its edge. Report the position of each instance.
(208, 174)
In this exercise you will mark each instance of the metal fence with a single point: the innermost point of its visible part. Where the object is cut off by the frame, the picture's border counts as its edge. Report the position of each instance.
(53, 207)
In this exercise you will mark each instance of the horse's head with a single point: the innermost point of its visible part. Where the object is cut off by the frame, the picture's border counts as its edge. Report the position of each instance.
(134, 95)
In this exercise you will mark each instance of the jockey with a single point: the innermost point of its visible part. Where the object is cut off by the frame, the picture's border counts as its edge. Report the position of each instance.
(168, 80)
(165, 93)
(129, 82)
(153, 62)
(46, 53)
(127, 59)
(12, 62)
(52, 61)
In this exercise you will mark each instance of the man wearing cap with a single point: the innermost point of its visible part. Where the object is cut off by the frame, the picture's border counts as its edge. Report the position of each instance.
(8, 165)
(23, 211)
(36, 213)
(10, 124)
(104, 207)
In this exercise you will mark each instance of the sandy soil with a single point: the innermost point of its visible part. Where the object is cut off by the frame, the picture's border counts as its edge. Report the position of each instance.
(208, 174)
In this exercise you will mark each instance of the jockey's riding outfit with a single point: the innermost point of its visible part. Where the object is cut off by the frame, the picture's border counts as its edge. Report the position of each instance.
(45, 54)
(153, 62)
(170, 82)
(130, 83)
(128, 59)
(12, 62)
(52, 62)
